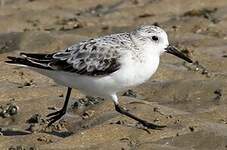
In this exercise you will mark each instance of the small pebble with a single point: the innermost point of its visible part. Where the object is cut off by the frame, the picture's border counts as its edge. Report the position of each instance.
(191, 128)
(130, 93)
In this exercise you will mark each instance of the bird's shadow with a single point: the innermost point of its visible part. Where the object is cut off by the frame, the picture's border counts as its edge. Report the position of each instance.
(11, 132)
(60, 133)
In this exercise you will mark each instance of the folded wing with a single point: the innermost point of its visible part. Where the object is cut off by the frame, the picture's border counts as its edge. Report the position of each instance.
(92, 58)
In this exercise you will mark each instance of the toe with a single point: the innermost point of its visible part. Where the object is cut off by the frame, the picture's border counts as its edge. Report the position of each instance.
(53, 113)
(153, 126)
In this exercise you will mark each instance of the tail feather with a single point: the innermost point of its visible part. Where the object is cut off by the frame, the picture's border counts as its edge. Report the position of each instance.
(16, 60)
(28, 61)
(38, 57)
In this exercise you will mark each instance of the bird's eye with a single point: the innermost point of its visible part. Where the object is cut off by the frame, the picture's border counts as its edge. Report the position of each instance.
(154, 38)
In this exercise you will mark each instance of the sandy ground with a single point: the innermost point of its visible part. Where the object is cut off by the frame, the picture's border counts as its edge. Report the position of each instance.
(189, 98)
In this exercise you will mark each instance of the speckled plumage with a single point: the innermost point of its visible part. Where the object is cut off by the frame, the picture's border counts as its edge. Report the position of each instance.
(94, 57)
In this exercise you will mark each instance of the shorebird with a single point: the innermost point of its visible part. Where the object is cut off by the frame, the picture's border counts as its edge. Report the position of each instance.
(104, 66)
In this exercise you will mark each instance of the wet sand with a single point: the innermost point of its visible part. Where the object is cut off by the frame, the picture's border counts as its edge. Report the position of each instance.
(189, 98)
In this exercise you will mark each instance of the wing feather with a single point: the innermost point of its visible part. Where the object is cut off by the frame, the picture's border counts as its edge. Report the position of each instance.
(93, 57)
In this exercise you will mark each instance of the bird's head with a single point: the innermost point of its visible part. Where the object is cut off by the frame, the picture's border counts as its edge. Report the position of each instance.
(155, 40)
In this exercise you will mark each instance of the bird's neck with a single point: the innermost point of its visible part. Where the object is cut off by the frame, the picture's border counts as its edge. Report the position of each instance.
(144, 69)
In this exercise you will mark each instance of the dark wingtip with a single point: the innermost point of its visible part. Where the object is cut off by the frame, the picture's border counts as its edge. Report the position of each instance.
(8, 61)
(11, 59)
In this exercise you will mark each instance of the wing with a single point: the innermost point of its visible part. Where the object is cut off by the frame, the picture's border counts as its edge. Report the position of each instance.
(93, 57)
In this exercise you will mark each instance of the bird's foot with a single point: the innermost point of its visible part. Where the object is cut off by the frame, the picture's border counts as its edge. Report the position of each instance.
(149, 125)
(55, 116)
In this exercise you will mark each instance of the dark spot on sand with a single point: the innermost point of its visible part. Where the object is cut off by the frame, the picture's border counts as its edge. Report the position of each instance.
(44, 139)
(88, 114)
(8, 110)
(191, 128)
(145, 15)
(87, 101)
(130, 93)
(207, 13)
(36, 118)
(218, 94)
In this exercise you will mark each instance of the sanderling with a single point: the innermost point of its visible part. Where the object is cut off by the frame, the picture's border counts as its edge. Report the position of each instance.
(104, 66)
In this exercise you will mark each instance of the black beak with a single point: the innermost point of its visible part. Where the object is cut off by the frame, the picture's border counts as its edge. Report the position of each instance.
(173, 50)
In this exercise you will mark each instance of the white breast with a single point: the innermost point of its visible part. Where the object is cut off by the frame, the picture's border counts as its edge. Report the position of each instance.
(134, 72)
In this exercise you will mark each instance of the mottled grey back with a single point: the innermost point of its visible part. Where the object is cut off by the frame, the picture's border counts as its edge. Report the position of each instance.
(95, 56)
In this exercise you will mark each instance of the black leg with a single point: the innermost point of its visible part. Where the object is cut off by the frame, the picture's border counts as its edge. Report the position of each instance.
(53, 117)
(149, 125)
